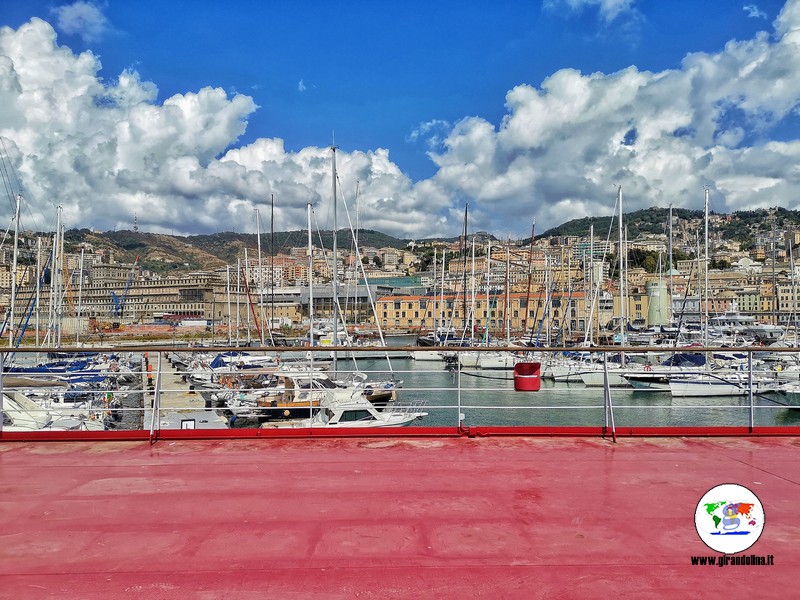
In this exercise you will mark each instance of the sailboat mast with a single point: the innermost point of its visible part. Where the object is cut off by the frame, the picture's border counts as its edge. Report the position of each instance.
(507, 309)
(623, 312)
(11, 325)
(228, 292)
(310, 283)
(238, 298)
(335, 287)
(705, 269)
(260, 279)
(38, 282)
(51, 307)
(310, 318)
(247, 290)
(271, 265)
(60, 279)
(435, 311)
(488, 287)
(80, 302)
(588, 335)
(530, 281)
(671, 316)
(464, 270)
(443, 314)
(472, 308)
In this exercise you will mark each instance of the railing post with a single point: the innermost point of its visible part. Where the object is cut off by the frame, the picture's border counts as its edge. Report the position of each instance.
(608, 409)
(156, 405)
(2, 393)
(458, 386)
(750, 388)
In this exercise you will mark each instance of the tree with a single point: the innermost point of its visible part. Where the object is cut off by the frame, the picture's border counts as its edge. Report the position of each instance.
(719, 264)
(376, 260)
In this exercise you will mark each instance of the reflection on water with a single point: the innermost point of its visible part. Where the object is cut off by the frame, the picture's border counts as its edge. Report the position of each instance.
(488, 398)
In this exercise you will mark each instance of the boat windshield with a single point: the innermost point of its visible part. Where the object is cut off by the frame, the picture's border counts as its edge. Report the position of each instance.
(356, 415)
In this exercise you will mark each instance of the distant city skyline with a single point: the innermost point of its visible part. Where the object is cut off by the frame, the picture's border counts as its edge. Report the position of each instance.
(192, 119)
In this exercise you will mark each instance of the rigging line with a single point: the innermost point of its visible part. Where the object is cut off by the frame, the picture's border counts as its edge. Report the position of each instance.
(336, 300)
(608, 236)
(5, 164)
(6, 157)
(353, 240)
(7, 185)
(369, 290)
(5, 235)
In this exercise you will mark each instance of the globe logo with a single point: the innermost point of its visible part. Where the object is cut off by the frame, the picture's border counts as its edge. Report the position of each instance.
(729, 518)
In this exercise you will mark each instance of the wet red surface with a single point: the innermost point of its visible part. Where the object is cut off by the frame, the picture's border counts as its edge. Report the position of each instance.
(449, 517)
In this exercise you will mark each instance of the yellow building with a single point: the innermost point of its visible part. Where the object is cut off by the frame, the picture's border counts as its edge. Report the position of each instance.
(517, 312)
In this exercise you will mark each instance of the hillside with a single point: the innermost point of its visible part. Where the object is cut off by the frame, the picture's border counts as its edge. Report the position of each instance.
(742, 226)
(173, 254)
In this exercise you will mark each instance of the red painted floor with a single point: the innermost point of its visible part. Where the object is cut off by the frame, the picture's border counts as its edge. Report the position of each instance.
(511, 517)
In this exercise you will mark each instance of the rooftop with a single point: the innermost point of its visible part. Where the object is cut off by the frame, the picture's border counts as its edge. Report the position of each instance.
(422, 516)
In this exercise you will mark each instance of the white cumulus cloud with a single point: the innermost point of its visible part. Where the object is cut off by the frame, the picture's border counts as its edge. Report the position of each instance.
(84, 19)
(754, 12)
(108, 149)
(608, 10)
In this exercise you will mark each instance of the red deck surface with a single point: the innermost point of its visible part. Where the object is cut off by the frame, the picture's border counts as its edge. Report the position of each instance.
(503, 517)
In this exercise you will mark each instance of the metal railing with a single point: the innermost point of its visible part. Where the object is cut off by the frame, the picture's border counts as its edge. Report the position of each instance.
(151, 392)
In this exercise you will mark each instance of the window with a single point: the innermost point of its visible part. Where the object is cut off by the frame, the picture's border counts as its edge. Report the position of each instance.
(356, 415)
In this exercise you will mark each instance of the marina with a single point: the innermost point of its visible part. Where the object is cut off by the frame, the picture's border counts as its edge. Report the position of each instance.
(175, 387)
(439, 354)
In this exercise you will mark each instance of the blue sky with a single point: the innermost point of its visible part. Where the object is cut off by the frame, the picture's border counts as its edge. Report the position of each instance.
(415, 78)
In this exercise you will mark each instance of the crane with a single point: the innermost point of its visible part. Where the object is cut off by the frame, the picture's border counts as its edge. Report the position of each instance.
(118, 302)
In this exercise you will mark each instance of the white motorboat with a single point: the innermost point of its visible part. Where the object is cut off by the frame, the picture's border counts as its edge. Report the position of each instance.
(23, 414)
(356, 412)
(719, 384)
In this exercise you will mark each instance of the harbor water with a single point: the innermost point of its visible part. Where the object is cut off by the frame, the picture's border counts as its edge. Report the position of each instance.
(488, 398)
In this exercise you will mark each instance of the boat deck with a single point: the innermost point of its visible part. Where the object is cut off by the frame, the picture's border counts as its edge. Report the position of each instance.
(387, 517)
